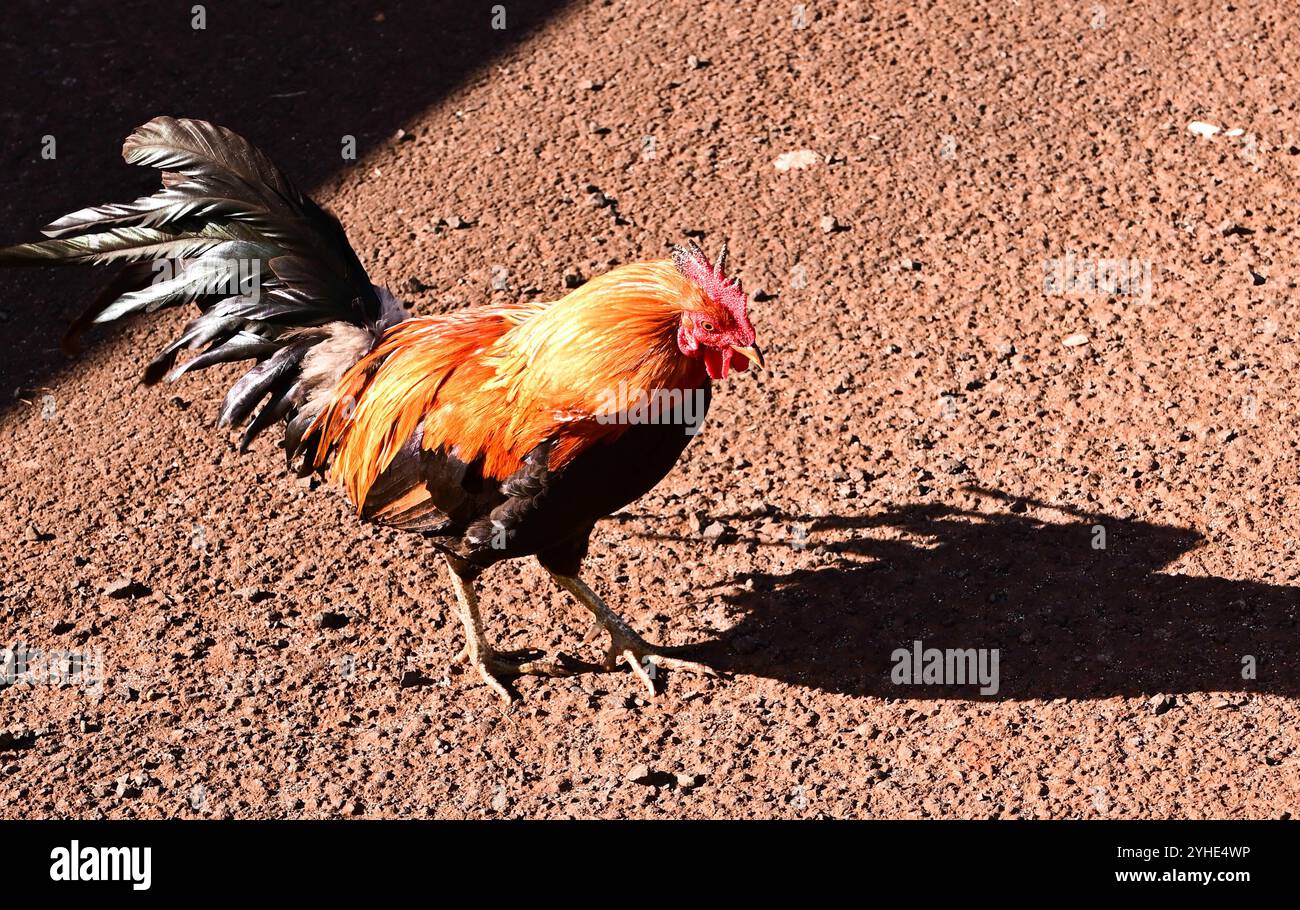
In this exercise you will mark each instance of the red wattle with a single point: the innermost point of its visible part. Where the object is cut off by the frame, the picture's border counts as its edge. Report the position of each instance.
(717, 363)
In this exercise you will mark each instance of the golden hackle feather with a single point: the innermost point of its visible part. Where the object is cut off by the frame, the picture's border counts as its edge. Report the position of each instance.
(493, 383)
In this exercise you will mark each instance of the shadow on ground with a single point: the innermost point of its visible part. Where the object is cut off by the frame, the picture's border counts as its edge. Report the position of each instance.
(1069, 620)
(292, 79)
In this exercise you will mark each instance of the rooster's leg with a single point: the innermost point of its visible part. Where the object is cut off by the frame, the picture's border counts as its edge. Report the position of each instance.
(624, 643)
(492, 665)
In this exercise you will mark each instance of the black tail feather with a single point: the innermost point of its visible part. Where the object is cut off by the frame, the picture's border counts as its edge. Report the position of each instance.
(229, 232)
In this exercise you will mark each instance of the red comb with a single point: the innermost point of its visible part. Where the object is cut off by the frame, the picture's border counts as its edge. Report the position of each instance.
(713, 281)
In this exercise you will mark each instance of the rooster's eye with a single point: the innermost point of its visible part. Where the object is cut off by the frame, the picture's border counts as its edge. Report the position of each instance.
(707, 326)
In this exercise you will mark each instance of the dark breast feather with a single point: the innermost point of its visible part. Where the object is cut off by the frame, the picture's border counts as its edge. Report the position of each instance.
(535, 511)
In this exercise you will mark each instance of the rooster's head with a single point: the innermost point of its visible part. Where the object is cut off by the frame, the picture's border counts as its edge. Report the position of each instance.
(717, 329)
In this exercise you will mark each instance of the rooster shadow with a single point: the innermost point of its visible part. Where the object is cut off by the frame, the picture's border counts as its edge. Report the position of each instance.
(1075, 609)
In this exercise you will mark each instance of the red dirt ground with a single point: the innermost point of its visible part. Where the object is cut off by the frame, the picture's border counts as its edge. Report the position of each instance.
(925, 460)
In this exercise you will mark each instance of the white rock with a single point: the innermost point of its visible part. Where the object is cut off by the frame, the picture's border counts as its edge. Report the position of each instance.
(796, 160)
(1075, 340)
(1201, 128)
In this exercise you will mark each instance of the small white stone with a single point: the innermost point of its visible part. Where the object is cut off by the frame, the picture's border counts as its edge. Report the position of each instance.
(803, 158)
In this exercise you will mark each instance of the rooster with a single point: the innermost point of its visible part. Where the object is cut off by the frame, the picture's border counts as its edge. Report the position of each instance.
(498, 432)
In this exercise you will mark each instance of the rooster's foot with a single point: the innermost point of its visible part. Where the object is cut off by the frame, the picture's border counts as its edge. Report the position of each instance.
(498, 667)
(642, 657)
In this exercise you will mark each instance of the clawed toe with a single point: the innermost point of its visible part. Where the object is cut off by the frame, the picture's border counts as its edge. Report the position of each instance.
(643, 659)
(533, 662)
(497, 668)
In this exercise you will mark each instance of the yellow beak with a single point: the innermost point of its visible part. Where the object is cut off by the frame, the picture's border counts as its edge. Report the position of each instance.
(752, 352)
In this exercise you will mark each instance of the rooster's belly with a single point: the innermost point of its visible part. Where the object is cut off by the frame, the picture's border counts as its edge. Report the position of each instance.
(535, 511)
